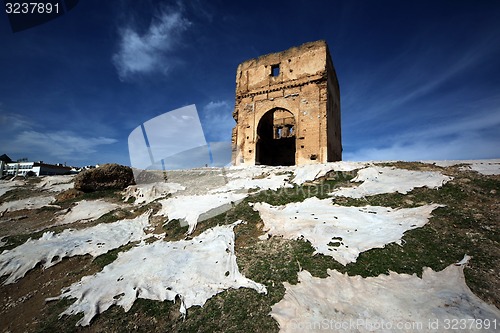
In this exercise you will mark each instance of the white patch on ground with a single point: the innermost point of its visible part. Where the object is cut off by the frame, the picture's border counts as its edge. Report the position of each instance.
(348, 230)
(192, 209)
(7, 185)
(254, 171)
(146, 193)
(56, 183)
(364, 304)
(28, 203)
(51, 248)
(195, 270)
(86, 211)
(379, 180)
(310, 172)
(270, 182)
(486, 168)
(445, 163)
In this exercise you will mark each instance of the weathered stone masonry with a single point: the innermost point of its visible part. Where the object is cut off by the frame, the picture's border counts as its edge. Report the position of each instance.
(287, 108)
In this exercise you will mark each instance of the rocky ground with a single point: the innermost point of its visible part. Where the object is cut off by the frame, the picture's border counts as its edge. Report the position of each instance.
(64, 250)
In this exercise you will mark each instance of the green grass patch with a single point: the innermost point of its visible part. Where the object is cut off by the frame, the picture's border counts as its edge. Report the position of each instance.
(16, 240)
(108, 257)
(17, 193)
(52, 322)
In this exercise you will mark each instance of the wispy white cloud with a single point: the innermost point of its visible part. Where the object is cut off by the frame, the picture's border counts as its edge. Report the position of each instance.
(144, 53)
(56, 144)
(216, 105)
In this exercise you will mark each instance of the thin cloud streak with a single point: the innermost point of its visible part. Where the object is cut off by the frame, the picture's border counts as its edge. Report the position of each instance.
(58, 144)
(423, 110)
(464, 138)
(10, 122)
(472, 124)
(422, 71)
(467, 147)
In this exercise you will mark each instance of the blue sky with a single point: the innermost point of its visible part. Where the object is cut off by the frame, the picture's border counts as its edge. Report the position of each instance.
(418, 79)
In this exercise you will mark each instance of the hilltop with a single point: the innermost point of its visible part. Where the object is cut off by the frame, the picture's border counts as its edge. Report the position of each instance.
(254, 249)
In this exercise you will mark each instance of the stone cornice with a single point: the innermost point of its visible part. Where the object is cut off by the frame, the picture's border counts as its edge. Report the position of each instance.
(284, 85)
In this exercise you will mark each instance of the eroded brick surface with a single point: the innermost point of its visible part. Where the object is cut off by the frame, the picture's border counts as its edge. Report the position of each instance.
(287, 108)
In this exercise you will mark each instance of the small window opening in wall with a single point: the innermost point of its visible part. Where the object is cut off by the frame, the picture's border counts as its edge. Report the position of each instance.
(275, 70)
(314, 157)
(279, 133)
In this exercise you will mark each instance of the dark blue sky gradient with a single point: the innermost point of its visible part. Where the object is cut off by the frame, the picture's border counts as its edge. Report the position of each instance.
(419, 79)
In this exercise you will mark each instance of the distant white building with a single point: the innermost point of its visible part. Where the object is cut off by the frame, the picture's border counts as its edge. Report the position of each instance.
(37, 168)
(80, 169)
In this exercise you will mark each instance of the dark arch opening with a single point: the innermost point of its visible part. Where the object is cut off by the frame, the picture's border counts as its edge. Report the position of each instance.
(276, 138)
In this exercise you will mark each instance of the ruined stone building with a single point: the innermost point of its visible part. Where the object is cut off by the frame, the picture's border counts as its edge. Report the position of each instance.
(287, 108)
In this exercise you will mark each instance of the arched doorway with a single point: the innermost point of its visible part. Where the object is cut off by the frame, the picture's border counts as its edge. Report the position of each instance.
(276, 138)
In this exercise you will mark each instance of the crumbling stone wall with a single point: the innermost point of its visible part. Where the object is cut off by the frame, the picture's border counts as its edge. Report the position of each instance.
(287, 108)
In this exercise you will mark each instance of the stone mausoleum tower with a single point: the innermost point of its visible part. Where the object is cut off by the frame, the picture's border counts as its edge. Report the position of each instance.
(287, 108)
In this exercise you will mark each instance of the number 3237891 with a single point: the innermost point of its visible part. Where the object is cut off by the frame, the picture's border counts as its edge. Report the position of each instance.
(31, 8)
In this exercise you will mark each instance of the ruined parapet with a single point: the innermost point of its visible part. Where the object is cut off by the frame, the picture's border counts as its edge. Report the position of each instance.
(287, 108)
